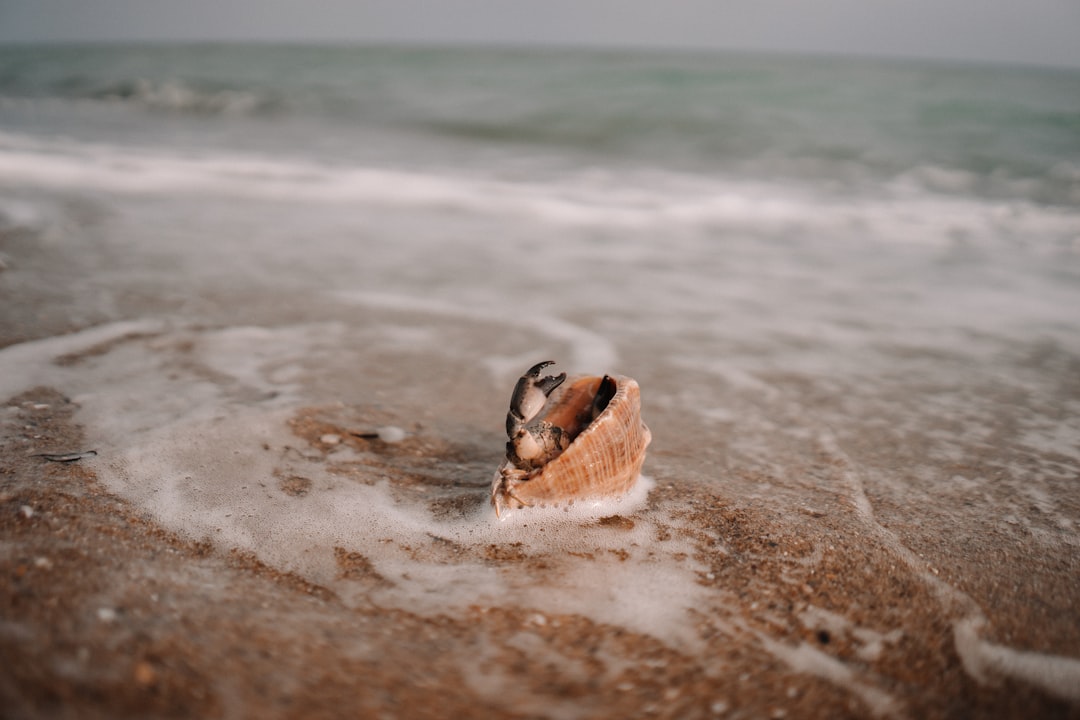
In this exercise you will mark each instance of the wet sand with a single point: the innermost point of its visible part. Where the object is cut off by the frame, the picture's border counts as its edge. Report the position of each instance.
(105, 614)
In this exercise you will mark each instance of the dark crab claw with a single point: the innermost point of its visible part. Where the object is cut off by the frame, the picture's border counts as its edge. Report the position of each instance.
(547, 383)
(529, 396)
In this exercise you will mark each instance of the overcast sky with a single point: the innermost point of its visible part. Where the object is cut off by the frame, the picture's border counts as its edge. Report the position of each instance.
(1045, 32)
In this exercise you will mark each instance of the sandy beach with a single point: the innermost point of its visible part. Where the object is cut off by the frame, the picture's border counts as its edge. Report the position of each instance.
(262, 310)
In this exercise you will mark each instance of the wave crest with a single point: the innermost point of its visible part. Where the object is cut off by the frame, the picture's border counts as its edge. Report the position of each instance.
(176, 95)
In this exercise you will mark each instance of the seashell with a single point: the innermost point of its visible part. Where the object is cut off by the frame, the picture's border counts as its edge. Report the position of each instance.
(591, 435)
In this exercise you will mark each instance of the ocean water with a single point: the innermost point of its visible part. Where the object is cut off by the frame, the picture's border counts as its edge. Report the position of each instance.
(848, 288)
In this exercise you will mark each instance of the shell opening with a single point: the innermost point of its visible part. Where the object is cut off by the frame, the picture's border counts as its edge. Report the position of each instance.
(582, 403)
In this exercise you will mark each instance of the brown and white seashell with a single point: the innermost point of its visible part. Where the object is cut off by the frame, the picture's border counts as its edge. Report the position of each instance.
(605, 452)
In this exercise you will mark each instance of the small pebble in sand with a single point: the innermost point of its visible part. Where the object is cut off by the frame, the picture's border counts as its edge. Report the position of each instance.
(106, 615)
(26, 511)
(330, 439)
(391, 434)
(42, 562)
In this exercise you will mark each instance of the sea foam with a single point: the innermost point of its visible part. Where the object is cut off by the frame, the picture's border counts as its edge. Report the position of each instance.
(207, 459)
(647, 200)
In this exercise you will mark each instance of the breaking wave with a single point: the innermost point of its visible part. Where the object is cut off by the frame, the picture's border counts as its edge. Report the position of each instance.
(909, 210)
(185, 97)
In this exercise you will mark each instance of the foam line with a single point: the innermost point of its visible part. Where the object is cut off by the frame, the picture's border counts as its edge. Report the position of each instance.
(685, 201)
(1055, 674)
(807, 659)
(30, 363)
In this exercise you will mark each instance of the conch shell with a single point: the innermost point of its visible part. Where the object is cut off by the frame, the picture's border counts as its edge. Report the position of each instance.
(587, 441)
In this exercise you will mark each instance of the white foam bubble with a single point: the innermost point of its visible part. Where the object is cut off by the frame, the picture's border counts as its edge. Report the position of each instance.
(391, 434)
(580, 511)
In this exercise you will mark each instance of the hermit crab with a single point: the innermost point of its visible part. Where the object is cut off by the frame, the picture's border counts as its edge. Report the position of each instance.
(585, 441)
